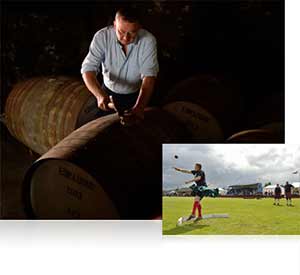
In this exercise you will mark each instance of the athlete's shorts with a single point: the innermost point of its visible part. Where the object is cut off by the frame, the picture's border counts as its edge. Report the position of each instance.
(277, 196)
(288, 195)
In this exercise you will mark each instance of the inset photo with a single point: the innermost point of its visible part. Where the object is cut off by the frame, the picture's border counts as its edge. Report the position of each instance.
(231, 189)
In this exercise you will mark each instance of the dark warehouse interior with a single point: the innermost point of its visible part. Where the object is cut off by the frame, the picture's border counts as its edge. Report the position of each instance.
(240, 42)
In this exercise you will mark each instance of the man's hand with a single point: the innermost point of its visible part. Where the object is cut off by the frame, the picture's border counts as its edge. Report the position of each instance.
(133, 116)
(102, 102)
(91, 82)
(137, 112)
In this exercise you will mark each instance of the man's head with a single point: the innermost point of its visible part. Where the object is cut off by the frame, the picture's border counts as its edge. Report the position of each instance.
(198, 166)
(127, 25)
(287, 183)
(277, 185)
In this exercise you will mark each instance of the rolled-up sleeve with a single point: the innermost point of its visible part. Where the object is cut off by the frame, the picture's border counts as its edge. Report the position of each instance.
(96, 54)
(149, 66)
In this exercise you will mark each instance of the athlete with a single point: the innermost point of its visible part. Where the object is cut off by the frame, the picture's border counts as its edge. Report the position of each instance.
(277, 195)
(288, 193)
(199, 189)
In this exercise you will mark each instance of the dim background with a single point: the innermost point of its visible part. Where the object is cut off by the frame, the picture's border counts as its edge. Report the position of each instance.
(241, 40)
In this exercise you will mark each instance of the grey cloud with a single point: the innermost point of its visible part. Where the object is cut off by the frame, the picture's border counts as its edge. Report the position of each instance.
(273, 164)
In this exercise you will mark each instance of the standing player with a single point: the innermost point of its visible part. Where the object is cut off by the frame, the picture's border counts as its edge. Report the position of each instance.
(277, 195)
(288, 193)
(200, 182)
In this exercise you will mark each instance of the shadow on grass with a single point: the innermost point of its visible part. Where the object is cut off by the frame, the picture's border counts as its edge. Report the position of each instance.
(183, 229)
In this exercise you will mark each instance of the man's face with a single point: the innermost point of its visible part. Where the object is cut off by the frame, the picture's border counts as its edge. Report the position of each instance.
(197, 168)
(126, 32)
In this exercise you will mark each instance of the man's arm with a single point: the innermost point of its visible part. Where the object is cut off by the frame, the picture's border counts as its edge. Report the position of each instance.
(90, 68)
(183, 170)
(195, 179)
(145, 94)
(148, 70)
(91, 82)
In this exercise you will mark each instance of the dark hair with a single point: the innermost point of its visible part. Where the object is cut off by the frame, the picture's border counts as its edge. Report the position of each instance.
(130, 14)
(199, 165)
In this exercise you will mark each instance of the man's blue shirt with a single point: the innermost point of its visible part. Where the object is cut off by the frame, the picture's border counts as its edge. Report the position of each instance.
(122, 73)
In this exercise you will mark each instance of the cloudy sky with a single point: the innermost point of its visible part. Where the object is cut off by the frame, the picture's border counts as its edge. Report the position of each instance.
(228, 164)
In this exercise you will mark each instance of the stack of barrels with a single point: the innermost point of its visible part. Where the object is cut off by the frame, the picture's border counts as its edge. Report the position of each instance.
(265, 121)
(103, 169)
(41, 111)
(218, 96)
(221, 100)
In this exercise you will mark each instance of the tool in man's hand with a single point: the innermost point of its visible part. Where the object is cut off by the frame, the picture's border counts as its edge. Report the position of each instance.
(125, 118)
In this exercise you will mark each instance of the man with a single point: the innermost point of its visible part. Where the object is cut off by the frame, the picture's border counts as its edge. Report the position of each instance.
(198, 191)
(288, 193)
(128, 57)
(277, 195)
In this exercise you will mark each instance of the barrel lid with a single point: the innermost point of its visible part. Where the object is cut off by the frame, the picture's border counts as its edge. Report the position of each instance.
(201, 125)
(255, 136)
(59, 189)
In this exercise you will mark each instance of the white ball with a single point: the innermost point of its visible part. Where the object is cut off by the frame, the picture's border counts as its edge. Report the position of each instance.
(180, 221)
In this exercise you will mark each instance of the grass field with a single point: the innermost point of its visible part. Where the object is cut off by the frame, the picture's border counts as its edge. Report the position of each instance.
(246, 217)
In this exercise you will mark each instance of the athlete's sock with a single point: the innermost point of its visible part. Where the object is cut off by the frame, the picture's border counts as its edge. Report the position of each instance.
(199, 210)
(194, 207)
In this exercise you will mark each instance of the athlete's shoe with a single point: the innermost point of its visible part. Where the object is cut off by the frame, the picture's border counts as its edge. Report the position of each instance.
(198, 219)
(191, 217)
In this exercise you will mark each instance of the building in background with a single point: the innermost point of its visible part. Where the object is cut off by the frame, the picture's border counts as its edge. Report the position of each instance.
(270, 190)
(245, 189)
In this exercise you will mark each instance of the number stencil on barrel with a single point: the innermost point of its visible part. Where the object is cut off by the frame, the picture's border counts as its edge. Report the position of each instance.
(60, 189)
(201, 125)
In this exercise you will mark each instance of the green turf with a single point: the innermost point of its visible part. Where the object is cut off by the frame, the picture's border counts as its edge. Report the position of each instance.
(246, 216)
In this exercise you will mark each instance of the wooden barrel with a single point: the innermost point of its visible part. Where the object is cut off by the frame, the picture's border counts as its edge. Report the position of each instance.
(268, 111)
(201, 126)
(41, 111)
(266, 119)
(217, 95)
(103, 170)
(256, 136)
(275, 127)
